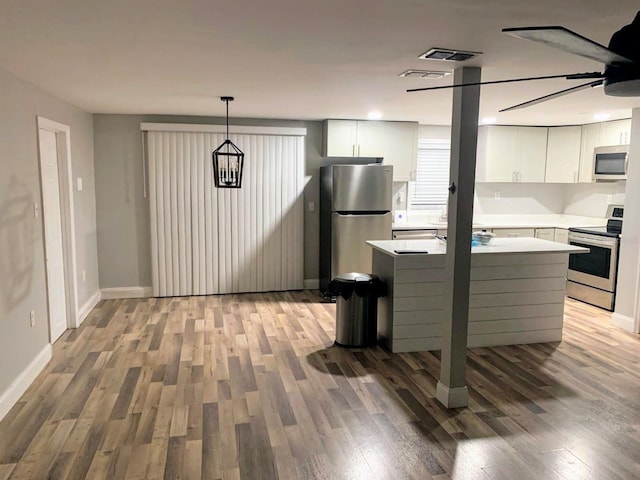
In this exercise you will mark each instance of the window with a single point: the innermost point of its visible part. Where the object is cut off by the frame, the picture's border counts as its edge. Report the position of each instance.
(429, 190)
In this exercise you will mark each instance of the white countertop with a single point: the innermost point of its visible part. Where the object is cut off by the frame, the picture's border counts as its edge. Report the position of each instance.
(498, 245)
(507, 221)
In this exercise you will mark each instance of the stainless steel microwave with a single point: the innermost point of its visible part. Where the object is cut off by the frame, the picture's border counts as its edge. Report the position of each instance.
(610, 163)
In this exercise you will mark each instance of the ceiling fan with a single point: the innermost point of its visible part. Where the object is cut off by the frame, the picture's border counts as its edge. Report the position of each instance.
(621, 76)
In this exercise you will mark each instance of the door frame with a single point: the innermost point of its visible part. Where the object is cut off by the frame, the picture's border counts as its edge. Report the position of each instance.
(65, 186)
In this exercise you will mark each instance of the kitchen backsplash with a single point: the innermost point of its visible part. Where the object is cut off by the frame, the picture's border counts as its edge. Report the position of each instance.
(589, 199)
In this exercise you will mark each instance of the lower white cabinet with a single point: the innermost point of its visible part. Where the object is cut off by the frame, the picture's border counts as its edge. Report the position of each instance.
(514, 232)
(546, 234)
(561, 235)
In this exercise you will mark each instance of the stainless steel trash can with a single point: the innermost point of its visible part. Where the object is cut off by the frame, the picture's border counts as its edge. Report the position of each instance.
(356, 308)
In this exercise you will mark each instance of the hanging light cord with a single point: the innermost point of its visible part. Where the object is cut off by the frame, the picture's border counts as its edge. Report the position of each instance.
(227, 102)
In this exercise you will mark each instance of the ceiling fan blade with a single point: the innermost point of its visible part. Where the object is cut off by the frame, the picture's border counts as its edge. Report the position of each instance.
(551, 96)
(568, 41)
(570, 76)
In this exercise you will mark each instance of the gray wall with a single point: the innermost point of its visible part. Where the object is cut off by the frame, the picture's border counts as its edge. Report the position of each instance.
(22, 267)
(123, 212)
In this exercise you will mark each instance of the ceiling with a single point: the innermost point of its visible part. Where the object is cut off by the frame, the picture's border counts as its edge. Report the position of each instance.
(301, 59)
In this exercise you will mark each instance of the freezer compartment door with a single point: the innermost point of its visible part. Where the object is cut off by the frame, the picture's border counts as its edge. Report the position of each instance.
(350, 253)
(365, 188)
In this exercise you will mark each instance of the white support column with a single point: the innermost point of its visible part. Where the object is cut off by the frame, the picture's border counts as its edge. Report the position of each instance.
(452, 389)
(627, 309)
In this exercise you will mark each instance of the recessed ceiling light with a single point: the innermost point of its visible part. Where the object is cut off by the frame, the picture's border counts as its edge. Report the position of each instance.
(488, 120)
(424, 74)
(374, 115)
(601, 117)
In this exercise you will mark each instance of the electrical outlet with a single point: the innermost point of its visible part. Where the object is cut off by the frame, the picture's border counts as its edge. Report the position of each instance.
(36, 210)
(32, 319)
(79, 184)
(312, 206)
(496, 195)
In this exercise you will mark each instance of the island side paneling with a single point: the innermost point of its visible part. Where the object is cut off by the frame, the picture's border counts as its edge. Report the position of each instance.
(515, 298)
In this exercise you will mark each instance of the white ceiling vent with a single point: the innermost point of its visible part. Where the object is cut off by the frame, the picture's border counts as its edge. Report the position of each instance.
(448, 54)
(426, 74)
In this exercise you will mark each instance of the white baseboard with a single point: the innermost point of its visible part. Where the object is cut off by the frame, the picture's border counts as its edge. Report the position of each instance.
(311, 284)
(452, 397)
(623, 322)
(12, 394)
(85, 310)
(126, 292)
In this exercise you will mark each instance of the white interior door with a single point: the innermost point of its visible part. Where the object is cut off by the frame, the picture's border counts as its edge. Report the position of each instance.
(53, 234)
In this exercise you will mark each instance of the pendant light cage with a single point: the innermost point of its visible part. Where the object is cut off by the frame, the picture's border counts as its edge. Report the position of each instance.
(228, 160)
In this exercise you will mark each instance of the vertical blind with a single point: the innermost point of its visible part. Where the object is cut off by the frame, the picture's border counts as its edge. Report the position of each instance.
(432, 174)
(206, 240)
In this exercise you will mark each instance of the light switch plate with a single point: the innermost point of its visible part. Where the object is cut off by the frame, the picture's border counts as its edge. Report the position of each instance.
(312, 206)
(79, 181)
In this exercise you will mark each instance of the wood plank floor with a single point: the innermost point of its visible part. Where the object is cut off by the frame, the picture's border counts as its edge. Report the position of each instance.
(250, 387)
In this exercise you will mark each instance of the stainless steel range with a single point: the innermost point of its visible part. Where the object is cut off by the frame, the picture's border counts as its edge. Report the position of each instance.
(592, 276)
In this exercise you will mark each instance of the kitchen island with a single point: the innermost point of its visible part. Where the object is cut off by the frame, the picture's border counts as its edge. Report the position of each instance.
(517, 292)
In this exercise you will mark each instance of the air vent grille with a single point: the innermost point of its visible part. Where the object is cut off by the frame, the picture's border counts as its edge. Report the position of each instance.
(425, 74)
(448, 55)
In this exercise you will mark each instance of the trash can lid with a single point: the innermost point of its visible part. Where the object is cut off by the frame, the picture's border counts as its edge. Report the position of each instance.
(362, 284)
(353, 277)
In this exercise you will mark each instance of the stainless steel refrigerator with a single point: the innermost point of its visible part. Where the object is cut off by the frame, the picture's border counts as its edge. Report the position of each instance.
(355, 206)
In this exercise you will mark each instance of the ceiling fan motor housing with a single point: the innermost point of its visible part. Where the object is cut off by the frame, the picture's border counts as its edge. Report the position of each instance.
(623, 80)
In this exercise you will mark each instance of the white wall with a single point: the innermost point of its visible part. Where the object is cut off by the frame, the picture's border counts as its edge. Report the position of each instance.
(627, 314)
(592, 199)
(519, 198)
(22, 261)
(123, 212)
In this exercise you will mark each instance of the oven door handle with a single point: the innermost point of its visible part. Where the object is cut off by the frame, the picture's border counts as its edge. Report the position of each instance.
(593, 241)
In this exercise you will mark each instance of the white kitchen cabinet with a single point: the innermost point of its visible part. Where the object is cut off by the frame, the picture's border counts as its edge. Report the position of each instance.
(546, 234)
(561, 235)
(533, 152)
(370, 140)
(511, 154)
(617, 132)
(563, 155)
(340, 137)
(396, 142)
(401, 149)
(514, 232)
(590, 140)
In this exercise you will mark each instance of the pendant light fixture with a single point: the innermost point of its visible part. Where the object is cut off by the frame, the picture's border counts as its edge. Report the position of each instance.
(228, 160)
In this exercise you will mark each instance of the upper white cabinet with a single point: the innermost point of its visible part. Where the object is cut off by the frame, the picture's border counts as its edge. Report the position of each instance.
(396, 142)
(590, 140)
(563, 155)
(511, 154)
(615, 133)
(340, 138)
